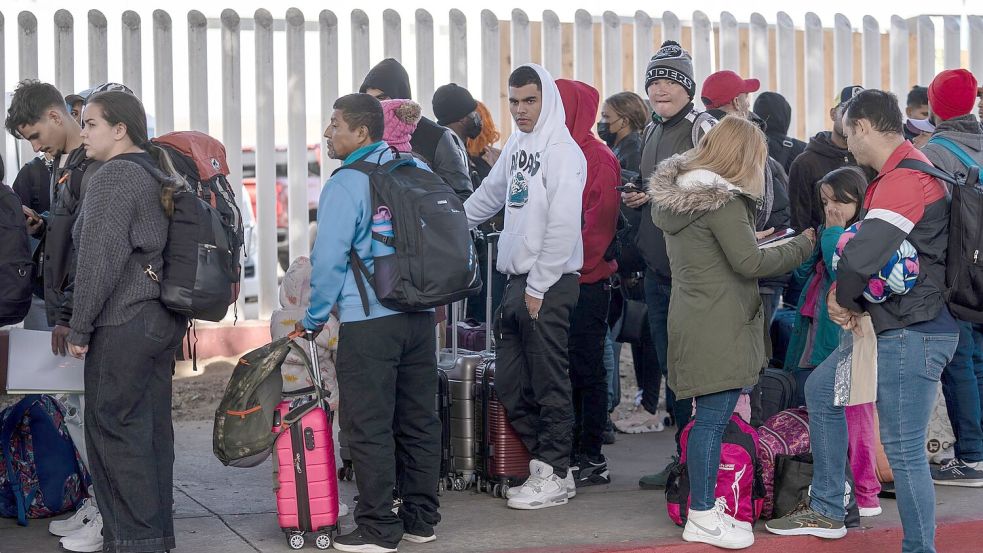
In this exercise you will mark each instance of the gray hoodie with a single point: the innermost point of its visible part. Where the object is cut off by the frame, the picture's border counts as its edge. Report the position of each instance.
(966, 132)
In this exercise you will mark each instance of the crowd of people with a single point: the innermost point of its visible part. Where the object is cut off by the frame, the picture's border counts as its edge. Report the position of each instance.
(602, 208)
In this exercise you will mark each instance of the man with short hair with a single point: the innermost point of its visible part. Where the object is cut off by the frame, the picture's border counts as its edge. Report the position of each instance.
(916, 108)
(539, 179)
(916, 333)
(386, 360)
(75, 103)
(957, 144)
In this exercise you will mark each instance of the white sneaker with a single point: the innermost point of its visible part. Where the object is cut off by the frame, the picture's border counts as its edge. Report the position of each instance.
(716, 528)
(543, 489)
(342, 509)
(76, 522)
(871, 511)
(571, 485)
(88, 539)
(640, 422)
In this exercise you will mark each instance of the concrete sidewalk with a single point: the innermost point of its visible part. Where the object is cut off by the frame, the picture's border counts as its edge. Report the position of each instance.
(220, 509)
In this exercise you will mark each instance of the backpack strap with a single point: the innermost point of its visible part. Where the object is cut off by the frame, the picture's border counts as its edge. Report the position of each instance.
(955, 150)
(931, 170)
(6, 433)
(702, 118)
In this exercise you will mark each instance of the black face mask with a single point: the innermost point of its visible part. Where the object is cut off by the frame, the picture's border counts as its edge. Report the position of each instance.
(472, 127)
(605, 134)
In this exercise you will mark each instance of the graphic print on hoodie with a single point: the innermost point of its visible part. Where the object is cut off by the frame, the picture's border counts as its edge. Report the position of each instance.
(540, 179)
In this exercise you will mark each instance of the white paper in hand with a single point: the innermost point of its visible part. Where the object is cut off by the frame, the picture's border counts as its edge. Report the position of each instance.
(32, 368)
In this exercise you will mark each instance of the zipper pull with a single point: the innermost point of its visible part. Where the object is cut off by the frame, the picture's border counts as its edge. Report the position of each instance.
(149, 270)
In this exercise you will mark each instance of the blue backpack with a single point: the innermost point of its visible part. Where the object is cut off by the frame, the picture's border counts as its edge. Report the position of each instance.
(41, 473)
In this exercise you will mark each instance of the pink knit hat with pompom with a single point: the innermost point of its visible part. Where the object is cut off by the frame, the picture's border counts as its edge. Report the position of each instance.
(401, 117)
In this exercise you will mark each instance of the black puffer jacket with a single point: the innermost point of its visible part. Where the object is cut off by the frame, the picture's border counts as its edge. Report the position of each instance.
(776, 113)
(821, 157)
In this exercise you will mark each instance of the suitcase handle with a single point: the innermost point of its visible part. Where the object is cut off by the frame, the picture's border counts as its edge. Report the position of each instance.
(488, 286)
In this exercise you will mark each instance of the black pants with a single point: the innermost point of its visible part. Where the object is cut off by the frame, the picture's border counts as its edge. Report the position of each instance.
(588, 330)
(128, 430)
(387, 377)
(532, 364)
(648, 374)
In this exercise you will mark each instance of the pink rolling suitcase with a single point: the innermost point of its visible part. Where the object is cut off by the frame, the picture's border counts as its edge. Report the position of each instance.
(306, 478)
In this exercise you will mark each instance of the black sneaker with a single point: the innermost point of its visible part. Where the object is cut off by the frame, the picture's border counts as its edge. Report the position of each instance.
(658, 481)
(959, 473)
(355, 542)
(593, 472)
(420, 536)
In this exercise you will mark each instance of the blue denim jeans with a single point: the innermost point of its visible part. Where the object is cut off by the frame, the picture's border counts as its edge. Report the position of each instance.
(657, 298)
(961, 388)
(909, 365)
(713, 411)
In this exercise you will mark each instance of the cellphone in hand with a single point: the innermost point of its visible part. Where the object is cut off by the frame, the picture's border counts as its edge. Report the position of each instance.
(779, 234)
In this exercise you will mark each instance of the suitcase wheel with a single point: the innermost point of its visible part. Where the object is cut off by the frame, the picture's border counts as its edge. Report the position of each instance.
(346, 472)
(459, 484)
(497, 491)
(295, 540)
(323, 541)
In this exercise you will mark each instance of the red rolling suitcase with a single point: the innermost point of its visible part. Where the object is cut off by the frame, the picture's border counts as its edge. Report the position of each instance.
(306, 485)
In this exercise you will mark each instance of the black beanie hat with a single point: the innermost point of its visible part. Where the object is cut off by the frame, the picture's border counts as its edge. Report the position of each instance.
(452, 102)
(390, 77)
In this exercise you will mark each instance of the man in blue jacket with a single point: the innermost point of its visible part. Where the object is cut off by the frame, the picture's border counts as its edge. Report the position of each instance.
(386, 359)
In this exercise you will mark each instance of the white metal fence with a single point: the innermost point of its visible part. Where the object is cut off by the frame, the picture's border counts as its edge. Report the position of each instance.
(805, 61)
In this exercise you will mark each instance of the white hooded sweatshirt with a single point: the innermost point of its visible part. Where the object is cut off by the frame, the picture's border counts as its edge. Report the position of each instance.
(540, 180)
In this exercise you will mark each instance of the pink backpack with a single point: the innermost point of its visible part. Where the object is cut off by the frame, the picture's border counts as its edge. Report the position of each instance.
(786, 433)
(738, 478)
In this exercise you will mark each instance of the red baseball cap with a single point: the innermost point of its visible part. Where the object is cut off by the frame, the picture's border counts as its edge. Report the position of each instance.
(724, 86)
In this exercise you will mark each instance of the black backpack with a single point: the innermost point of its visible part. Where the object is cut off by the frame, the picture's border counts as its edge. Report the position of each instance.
(435, 262)
(201, 272)
(963, 263)
(16, 264)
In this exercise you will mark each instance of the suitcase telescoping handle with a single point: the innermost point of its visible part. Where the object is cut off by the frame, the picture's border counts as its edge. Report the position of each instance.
(488, 286)
(315, 370)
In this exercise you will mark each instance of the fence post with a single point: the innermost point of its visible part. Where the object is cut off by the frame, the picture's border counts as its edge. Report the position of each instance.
(198, 70)
(232, 97)
(132, 53)
(643, 49)
(758, 50)
(975, 44)
(730, 43)
(785, 65)
(951, 42)
(98, 49)
(328, 23)
(360, 47)
(64, 52)
(552, 43)
(871, 53)
(27, 45)
(392, 35)
(815, 85)
(611, 53)
(266, 236)
(163, 73)
(299, 232)
(491, 65)
(583, 47)
(925, 45)
(702, 49)
(842, 52)
(521, 42)
(459, 47)
(671, 28)
(899, 56)
(424, 61)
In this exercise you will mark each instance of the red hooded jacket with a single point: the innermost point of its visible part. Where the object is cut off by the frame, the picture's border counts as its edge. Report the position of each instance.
(600, 200)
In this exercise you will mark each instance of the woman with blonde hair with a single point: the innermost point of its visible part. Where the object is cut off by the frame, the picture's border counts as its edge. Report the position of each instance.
(705, 202)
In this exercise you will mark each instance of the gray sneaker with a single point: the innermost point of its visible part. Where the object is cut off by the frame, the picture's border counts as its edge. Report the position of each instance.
(959, 473)
(803, 521)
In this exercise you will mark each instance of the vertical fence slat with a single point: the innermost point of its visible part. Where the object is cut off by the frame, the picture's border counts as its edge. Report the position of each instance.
(328, 32)
(758, 50)
(583, 46)
(360, 47)
(815, 85)
(163, 73)
(552, 43)
(842, 52)
(198, 70)
(521, 41)
(392, 35)
(491, 64)
(98, 48)
(132, 53)
(265, 234)
(64, 52)
(925, 44)
(871, 53)
(459, 47)
(975, 23)
(27, 42)
(299, 231)
(232, 97)
(899, 56)
(643, 49)
(671, 28)
(951, 42)
(611, 53)
(730, 43)
(702, 50)
(785, 64)
(424, 61)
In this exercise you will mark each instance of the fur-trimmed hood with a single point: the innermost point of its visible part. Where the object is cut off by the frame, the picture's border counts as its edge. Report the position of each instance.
(679, 198)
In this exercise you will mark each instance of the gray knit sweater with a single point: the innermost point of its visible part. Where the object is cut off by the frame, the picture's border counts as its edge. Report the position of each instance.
(122, 228)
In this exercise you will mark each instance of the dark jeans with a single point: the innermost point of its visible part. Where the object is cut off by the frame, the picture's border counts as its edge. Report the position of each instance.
(588, 330)
(387, 370)
(648, 369)
(532, 378)
(128, 430)
(770, 298)
(961, 388)
(657, 298)
(713, 411)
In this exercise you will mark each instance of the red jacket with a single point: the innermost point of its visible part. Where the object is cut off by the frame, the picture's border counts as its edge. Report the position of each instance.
(600, 199)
